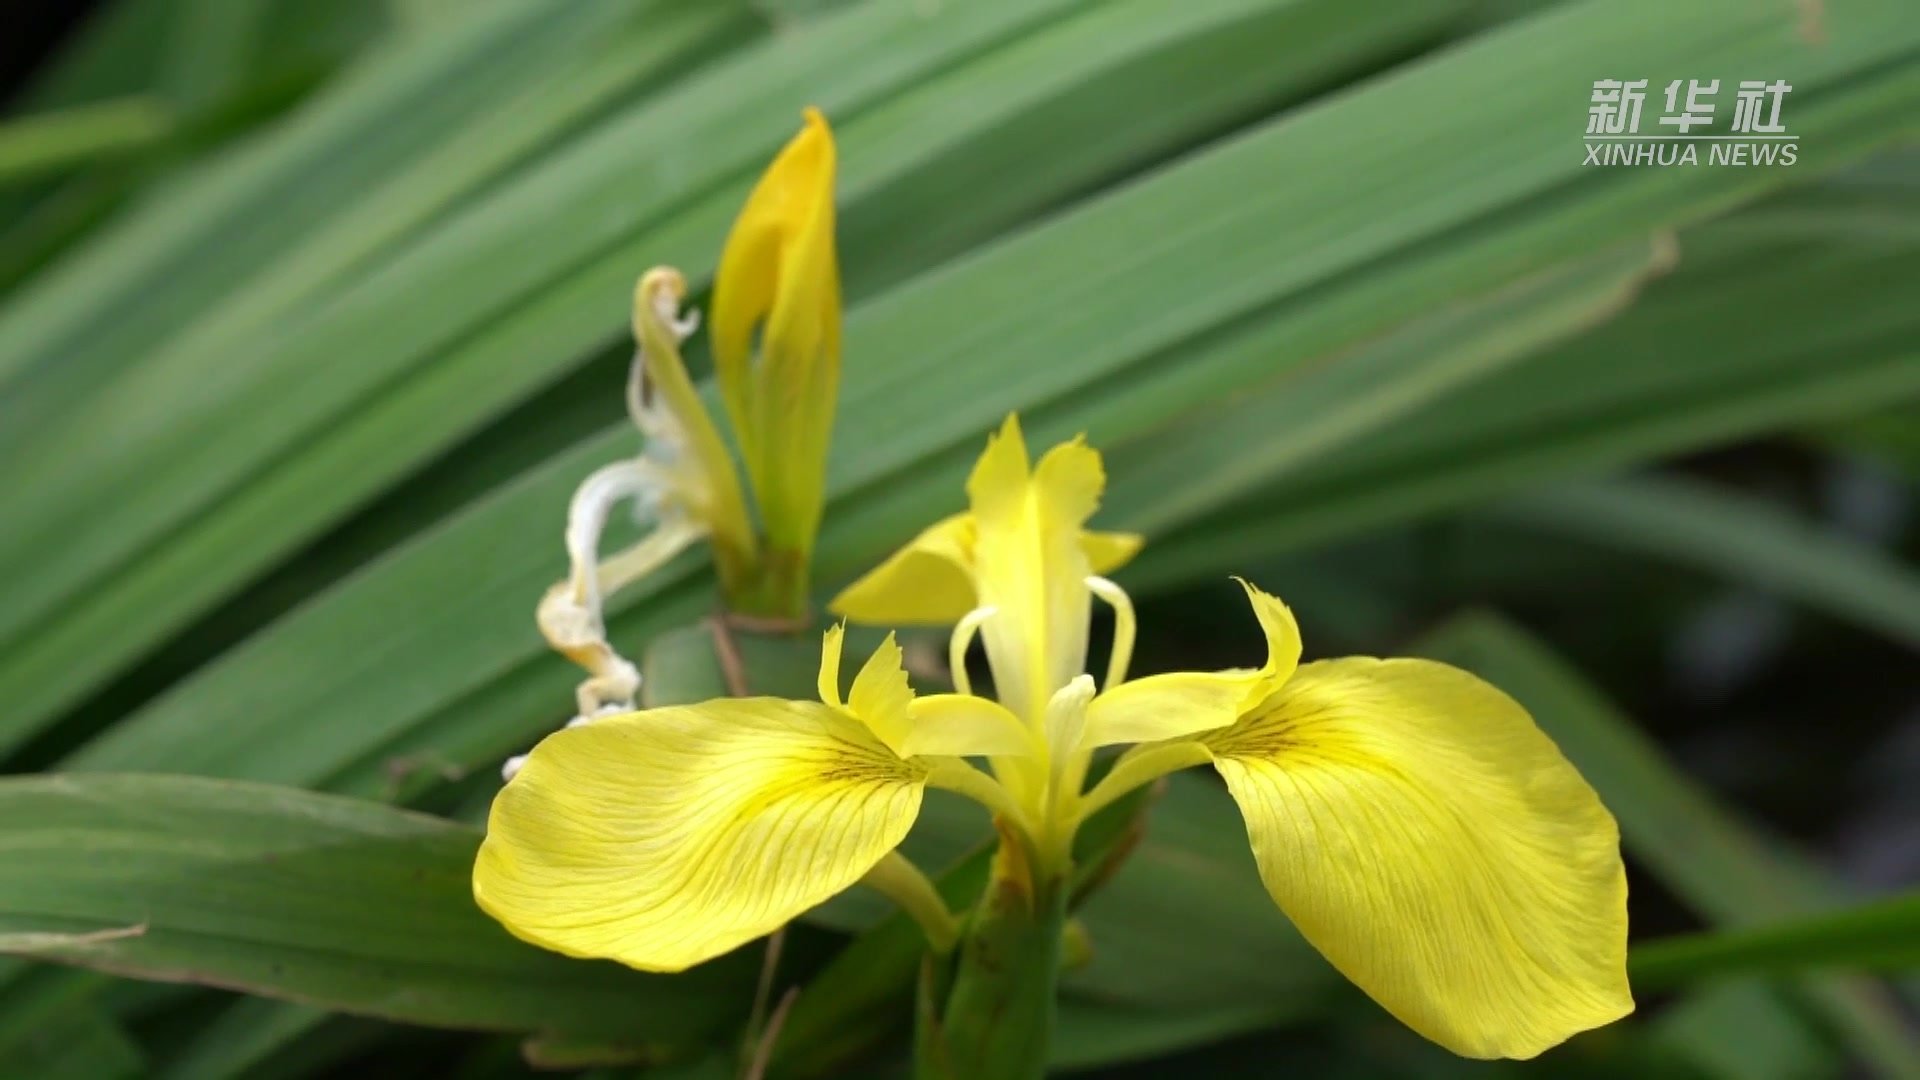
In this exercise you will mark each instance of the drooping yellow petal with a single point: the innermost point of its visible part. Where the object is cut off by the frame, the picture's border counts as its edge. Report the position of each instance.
(665, 838)
(1185, 703)
(778, 273)
(927, 583)
(706, 485)
(1436, 847)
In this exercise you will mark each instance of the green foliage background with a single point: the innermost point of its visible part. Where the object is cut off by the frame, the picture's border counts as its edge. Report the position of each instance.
(314, 313)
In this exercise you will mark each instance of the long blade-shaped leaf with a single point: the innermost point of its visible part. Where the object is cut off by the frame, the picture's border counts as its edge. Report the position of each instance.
(902, 160)
(1742, 538)
(1881, 935)
(1035, 319)
(309, 897)
(1764, 349)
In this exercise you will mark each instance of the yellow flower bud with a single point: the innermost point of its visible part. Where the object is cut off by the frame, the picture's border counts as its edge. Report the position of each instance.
(779, 277)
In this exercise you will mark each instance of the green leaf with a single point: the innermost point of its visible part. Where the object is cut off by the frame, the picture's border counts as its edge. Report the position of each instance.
(685, 666)
(1039, 318)
(310, 898)
(1733, 536)
(1314, 408)
(901, 160)
(1891, 437)
(1745, 1030)
(1090, 1033)
(51, 141)
(255, 1038)
(48, 1028)
(411, 92)
(1882, 936)
(1766, 348)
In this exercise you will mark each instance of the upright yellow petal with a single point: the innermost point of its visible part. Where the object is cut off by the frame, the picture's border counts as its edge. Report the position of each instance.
(881, 695)
(668, 837)
(828, 681)
(1185, 703)
(930, 581)
(997, 486)
(1030, 565)
(927, 583)
(1436, 847)
(779, 274)
(1067, 483)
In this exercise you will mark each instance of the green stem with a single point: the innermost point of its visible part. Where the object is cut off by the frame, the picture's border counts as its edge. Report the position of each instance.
(994, 1016)
(774, 586)
(896, 878)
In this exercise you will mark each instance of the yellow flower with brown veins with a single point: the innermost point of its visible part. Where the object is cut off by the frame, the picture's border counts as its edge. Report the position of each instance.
(1409, 818)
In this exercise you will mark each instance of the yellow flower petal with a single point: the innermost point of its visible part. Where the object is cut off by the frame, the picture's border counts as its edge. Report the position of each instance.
(828, 681)
(1166, 707)
(1186, 703)
(1029, 564)
(930, 581)
(1109, 551)
(1283, 638)
(665, 838)
(961, 725)
(1434, 844)
(927, 583)
(997, 486)
(1065, 724)
(706, 487)
(778, 272)
(881, 695)
(947, 725)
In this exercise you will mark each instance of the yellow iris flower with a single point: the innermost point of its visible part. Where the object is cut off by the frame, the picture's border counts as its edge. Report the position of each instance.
(1409, 818)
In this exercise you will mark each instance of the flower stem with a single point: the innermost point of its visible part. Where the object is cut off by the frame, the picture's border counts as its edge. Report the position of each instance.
(774, 587)
(993, 1014)
(896, 878)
